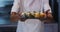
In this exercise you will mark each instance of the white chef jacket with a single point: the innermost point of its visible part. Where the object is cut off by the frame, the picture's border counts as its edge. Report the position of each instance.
(29, 6)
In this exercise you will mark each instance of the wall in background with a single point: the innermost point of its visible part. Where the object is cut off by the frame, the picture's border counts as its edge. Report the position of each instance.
(59, 14)
(5, 2)
(5, 8)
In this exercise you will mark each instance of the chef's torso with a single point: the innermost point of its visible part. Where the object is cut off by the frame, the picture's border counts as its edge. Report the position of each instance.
(32, 5)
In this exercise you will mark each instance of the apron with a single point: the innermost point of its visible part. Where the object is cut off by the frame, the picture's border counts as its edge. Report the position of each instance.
(30, 25)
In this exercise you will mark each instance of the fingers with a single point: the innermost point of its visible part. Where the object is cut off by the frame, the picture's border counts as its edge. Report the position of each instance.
(48, 14)
(13, 13)
(14, 16)
(19, 13)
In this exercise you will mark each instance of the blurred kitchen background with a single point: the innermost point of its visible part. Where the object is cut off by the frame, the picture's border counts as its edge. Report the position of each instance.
(7, 26)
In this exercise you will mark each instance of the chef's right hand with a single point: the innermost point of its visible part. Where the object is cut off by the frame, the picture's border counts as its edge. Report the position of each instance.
(14, 16)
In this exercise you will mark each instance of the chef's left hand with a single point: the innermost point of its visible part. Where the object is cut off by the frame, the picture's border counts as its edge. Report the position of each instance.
(49, 14)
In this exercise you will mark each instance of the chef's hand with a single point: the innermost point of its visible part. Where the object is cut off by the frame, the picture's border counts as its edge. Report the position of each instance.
(49, 14)
(14, 16)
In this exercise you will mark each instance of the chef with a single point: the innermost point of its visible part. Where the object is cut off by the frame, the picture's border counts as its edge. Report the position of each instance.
(20, 6)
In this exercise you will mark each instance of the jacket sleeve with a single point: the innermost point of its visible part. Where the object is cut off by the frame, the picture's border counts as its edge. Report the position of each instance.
(15, 7)
(46, 6)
